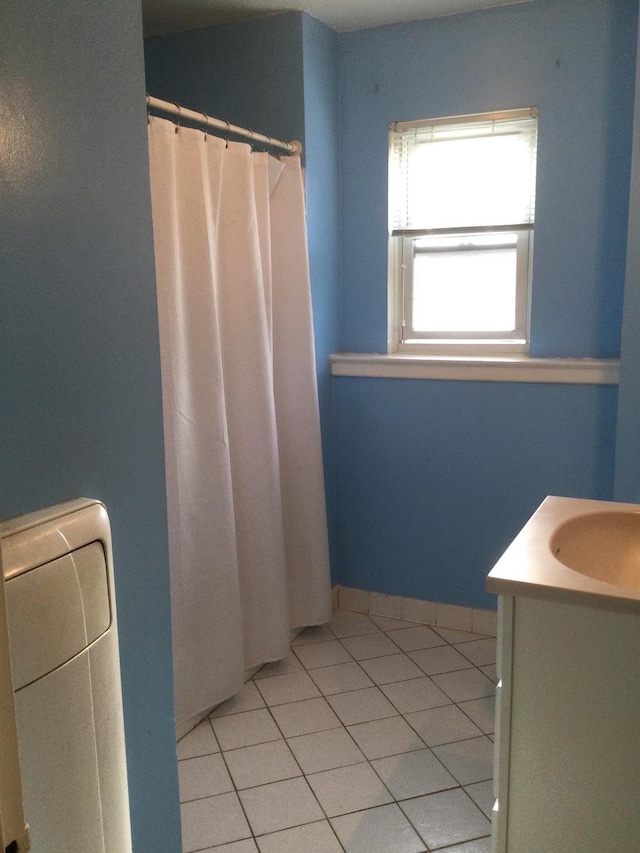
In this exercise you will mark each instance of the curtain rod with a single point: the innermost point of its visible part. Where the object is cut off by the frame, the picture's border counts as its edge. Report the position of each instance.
(203, 120)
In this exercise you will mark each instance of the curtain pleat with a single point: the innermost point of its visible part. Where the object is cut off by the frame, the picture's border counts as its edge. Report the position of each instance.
(245, 492)
(296, 401)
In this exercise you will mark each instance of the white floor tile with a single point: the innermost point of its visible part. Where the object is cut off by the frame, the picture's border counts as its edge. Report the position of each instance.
(386, 623)
(454, 635)
(204, 776)
(337, 679)
(212, 821)
(381, 830)
(325, 750)
(314, 634)
(418, 637)
(390, 668)
(385, 737)
(280, 805)
(352, 625)
(370, 646)
(413, 774)
(458, 673)
(246, 699)
(479, 652)
(245, 729)
(479, 845)
(482, 795)
(360, 706)
(292, 687)
(437, 726)
(440, 659)
(199, 741)
(490, 671)
(261, 764)
(246, 846)
(279, 667)
(465, 684)
(468, 760)
(415, 695)
(310, 838)
(328, 653)
(348, 789)
(482, 712)
(303, 718)
(448, 817)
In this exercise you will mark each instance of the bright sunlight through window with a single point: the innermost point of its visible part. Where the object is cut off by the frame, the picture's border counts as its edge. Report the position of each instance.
(462, 193)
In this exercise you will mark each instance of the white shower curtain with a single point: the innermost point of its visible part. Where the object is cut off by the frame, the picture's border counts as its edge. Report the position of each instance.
(247, 523)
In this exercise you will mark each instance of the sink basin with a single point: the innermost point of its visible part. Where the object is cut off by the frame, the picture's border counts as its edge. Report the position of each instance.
(575, 550)
(603, 545)
(567, 722)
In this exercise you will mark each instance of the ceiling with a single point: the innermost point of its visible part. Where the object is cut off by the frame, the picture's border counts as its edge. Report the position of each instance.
(168, 16)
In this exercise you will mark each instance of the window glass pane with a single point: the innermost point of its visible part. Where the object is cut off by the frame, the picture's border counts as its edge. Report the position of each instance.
(457, 185)
(465, 287)
(480, 181)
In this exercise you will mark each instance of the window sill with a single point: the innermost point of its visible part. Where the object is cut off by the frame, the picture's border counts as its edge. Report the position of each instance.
(580, 371)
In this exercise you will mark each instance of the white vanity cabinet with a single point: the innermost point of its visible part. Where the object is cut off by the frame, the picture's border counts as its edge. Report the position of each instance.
(568, 734)
(567, 755)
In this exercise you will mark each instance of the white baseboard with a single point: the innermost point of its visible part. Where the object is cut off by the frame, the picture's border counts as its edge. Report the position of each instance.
(416, 610)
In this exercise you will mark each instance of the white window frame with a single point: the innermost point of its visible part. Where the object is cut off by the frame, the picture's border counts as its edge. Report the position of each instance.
(402, 338)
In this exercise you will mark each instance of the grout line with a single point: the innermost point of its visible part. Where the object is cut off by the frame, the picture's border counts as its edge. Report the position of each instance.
(235, 789)
(341, 725)
(303, 775)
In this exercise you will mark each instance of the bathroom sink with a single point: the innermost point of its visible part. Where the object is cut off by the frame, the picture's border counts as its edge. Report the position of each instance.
(575, 550)
(603, 545)
(567, 699)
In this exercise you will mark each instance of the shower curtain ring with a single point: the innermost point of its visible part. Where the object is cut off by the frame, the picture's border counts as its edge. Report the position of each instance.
(206, 122)
(177, 120)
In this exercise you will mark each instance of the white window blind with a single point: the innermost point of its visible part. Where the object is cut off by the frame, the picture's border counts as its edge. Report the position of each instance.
(464, 172)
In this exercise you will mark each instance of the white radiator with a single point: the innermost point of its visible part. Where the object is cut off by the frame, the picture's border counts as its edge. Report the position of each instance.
(66, 672)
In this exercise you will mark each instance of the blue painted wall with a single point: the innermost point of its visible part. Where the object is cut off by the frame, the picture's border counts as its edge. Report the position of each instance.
(627, 475)
(320, 57)
(80, 405)
(415, 455)
(575, 61)
(250, 74)
(389, 451)
(436, 478)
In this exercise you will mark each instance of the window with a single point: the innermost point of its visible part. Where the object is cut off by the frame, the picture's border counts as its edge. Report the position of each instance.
(461, 210)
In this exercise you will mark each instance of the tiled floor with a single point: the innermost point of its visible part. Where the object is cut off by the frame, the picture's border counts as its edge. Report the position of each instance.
(373, 736)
